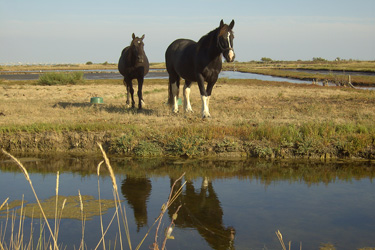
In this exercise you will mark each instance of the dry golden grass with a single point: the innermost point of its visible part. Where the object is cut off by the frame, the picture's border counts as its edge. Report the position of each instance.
(249, 117)
(233, 102)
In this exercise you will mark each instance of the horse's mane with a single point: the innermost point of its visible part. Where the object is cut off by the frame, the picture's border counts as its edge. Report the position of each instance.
(209, 38)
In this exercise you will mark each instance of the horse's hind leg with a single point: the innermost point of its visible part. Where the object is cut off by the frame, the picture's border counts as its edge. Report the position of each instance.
(187, 105)
(174, 87)
(140, 96)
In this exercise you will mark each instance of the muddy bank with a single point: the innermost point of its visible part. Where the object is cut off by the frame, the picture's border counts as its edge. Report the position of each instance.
(116, 143)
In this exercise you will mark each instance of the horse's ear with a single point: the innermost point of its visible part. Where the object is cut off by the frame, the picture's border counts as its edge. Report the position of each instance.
(143, 37)
(133, 36)
(221, 23)
(231, 24)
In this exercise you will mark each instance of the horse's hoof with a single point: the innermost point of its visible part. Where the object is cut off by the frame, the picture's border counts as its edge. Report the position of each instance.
(206, 114)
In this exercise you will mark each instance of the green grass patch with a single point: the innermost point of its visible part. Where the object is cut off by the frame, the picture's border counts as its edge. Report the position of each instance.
(266, 140)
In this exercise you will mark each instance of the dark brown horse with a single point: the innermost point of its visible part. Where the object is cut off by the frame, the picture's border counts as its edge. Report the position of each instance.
(198, 62)
(133, 64)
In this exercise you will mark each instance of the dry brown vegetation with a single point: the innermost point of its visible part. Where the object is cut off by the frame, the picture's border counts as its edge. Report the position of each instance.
(233, 102)
(244, 110)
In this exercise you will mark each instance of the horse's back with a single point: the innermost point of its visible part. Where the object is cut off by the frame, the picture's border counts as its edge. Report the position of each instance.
(179, 58)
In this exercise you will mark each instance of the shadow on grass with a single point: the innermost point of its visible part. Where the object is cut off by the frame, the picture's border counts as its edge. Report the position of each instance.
(104, 107)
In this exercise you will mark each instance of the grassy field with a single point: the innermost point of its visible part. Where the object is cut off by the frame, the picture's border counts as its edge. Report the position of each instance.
(250, 118)
(35, 67)
(283, 69)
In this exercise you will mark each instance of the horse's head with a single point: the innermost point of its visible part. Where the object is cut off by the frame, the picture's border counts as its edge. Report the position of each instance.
(137, 48)
(225, 40)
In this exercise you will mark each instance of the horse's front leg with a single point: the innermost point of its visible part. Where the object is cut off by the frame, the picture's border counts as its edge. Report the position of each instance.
(210, 86)
(127, 94)
(140, 95)
(129, 89)
(204, 96)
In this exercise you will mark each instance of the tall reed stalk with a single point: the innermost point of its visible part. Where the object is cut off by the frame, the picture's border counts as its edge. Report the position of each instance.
(17, 240)
(26, 174)
(116, 197)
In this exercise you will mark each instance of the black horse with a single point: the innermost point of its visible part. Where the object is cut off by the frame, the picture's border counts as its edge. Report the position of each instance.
(198, 62)
(133, 64)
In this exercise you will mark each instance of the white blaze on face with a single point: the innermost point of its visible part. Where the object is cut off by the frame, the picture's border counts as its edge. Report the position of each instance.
(230, 53)
(229, 40)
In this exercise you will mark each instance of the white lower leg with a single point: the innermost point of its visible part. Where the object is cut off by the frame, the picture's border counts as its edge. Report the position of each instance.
(205, 182)
(174, 93)
(205, 110)
(187, 105)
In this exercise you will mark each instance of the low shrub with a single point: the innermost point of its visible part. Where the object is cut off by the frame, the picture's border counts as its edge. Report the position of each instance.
(123, 144)
(146, 148)
(186, 146)
(61, 78)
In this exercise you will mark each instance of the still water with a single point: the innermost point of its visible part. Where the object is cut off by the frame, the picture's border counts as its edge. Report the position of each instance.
(153, 74)
(226, 204)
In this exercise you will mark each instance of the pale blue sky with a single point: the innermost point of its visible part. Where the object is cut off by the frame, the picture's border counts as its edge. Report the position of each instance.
(77, 31)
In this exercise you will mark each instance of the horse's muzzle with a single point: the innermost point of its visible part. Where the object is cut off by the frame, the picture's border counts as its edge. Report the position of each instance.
(229, 55)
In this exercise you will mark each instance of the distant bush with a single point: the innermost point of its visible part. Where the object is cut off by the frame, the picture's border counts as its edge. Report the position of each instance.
(266, 59)
(319, 59)
(61, 78)
(89, 63)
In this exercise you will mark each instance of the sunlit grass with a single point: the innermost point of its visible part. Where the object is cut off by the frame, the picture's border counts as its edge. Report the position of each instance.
(262, 119)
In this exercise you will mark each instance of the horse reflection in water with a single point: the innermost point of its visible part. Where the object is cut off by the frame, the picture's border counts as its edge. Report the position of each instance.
(201, 210)
(136, 191)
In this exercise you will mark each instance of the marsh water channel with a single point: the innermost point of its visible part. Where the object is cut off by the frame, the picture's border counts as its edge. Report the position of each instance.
(226, 204)
(153, 74)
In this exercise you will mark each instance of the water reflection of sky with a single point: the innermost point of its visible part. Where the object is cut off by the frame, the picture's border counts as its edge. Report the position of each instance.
(153, 74)
(338, 209)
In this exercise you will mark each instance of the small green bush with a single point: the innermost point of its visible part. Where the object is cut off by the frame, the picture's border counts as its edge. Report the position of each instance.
(123, 144)
(186, 146)
(61, 78)
(146, 148)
